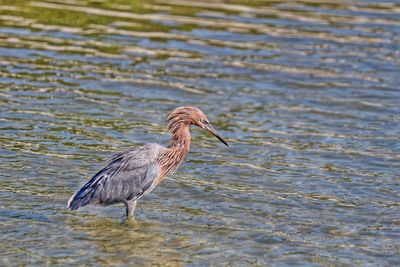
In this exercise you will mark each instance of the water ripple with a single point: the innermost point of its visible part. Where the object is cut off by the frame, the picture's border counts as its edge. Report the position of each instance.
(305, 92)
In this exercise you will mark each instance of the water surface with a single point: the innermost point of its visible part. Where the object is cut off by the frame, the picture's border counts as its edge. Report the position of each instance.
(306, 93)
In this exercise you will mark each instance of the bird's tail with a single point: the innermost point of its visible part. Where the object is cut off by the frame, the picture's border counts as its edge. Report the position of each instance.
(80, 199)
(87, 194)
(71, 201)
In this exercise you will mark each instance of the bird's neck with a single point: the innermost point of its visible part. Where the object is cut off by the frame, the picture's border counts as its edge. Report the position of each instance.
(177, 149)
(180, 138)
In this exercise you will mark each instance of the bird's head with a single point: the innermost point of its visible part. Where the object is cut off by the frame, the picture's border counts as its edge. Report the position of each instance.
(189, 115)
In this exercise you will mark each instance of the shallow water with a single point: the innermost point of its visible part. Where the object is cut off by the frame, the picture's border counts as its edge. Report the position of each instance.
(307, 95)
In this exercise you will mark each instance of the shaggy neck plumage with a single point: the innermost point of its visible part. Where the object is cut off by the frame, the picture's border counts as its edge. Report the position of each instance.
(178, 148)
(180, 136)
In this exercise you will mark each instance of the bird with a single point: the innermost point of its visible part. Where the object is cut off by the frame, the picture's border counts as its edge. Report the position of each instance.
(135, 172)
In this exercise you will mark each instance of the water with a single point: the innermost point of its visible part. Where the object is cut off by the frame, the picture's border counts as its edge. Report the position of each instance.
(307, 95)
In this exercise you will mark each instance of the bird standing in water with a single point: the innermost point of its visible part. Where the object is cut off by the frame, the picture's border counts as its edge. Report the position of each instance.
(131, 174)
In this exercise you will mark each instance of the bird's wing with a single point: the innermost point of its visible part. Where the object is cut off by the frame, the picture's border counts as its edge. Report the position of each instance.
(126, 177)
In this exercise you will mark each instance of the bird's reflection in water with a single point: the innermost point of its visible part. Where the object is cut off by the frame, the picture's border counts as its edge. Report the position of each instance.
(135, 242)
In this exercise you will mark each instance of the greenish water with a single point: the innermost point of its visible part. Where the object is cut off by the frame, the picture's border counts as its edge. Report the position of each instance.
(306, 93)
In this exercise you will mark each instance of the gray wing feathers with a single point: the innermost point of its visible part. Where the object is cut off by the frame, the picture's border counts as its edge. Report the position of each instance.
(126, 185)
(126, 177)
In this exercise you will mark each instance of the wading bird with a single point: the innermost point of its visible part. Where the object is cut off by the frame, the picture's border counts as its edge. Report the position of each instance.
(131, 174)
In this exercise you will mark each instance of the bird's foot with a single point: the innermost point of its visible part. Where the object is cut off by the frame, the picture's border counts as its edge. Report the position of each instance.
(131, 221)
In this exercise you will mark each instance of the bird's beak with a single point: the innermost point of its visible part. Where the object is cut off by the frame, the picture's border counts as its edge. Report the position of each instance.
(210, 129)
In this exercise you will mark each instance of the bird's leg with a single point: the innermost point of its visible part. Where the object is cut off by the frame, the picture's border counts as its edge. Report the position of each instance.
(130, 208)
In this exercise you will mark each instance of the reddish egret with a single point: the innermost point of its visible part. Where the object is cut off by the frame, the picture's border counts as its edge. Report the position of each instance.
(131, 174)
